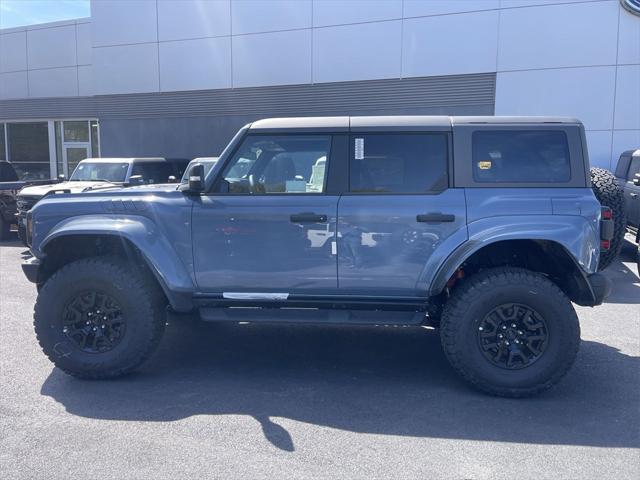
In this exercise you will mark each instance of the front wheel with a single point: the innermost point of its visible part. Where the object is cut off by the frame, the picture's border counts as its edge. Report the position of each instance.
(510, 332)
(98, 318)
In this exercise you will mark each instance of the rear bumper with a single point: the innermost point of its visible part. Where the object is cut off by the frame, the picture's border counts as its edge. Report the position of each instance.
(600, 286)
(31, 267)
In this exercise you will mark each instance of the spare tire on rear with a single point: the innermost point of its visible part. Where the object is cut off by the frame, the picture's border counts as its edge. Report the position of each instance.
(610, 194)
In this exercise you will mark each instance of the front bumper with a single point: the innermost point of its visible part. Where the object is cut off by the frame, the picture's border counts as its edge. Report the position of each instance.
(600, 286)
(31, 267)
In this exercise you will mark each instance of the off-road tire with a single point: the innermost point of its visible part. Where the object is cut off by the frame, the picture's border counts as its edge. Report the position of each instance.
(475, 297)
(143, 307)
(610, 194)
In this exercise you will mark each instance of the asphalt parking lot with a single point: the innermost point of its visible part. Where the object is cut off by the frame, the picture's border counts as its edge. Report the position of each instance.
(246, 401)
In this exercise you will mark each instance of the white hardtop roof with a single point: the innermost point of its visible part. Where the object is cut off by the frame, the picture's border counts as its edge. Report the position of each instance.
(123, 159)
(396, 121)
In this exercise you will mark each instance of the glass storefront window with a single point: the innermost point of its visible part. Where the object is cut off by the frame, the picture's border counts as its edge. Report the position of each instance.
(3, 148)
(28, 145)
(74, 156)
(76, 131)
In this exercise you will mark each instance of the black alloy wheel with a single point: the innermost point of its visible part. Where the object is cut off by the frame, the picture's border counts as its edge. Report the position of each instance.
(94, 321)
(513, 336)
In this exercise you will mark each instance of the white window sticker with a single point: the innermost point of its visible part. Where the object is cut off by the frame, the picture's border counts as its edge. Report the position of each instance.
(359, 150)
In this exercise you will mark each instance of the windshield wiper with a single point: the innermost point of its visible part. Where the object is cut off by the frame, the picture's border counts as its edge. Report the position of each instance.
(92, 180)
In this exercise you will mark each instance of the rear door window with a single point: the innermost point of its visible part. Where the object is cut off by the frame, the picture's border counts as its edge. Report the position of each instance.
(398, 163)
(521, 156)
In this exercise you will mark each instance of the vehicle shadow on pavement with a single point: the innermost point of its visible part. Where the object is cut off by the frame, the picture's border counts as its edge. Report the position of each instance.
(379, 380)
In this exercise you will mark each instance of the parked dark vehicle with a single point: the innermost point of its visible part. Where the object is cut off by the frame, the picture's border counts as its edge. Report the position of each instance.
(484, 227)
(628, 173)
(100, 173)
(10, 185)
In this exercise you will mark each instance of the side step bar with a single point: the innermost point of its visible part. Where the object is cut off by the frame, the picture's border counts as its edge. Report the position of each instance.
(317, 309)
(310, 316)
(332, 302)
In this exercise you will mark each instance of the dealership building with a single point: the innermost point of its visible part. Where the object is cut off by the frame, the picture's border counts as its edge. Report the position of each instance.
(176, 78)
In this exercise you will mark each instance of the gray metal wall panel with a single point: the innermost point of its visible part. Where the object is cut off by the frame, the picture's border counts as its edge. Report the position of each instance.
(48, 108)
(200, 123)
(318, 99)
(190, 137)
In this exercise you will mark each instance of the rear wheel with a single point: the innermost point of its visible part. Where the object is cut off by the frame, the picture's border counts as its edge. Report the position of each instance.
(98, 318)
(610, 194)
(510, 332)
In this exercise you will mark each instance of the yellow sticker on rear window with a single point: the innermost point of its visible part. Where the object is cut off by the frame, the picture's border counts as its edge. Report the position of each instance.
(484, 164)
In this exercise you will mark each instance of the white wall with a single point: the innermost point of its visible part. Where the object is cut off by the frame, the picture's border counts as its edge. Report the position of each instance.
(579, 59)
(48, 60)
(567, 57)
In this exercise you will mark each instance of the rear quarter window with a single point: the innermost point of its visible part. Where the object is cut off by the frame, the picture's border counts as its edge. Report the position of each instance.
(521, 156)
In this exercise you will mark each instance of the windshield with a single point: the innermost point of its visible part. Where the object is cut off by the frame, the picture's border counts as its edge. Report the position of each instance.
(100, 171)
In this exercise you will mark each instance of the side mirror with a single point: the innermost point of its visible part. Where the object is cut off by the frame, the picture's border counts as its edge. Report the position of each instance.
(171, 179)
(636, 180)
(196, 178)
(61, 177)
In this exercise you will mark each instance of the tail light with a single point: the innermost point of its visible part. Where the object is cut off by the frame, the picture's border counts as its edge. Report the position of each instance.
(606, 228)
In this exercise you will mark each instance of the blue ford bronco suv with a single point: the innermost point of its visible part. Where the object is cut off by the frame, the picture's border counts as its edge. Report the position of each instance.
(483, 227)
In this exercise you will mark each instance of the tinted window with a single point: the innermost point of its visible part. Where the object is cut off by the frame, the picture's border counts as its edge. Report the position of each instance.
(634, 167)
(97, 171)
(153, 172)
(7, 173)
(279, 164)
(521, 156)
(28, 145)
(398, 163)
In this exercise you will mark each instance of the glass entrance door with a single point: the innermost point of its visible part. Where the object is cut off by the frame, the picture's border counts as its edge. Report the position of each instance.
(72, 154)
(75, 141)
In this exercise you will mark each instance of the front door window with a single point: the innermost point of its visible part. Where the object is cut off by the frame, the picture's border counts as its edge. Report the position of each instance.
(279, 164)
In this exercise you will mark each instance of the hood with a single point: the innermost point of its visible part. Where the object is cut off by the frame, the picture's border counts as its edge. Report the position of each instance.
(74, 187)
(151, 188)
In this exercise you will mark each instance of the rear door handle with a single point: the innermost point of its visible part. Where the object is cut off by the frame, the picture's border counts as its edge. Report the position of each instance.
(308, 217)
(435, 217)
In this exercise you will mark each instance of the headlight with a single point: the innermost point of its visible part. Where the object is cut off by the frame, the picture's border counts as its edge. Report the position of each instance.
(29, 228)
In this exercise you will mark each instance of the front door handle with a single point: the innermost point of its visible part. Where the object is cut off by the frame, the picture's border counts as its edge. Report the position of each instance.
(308, 217)
(435, 217)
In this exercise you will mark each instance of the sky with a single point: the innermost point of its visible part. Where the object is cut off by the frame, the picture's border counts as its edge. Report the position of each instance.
(18, 13)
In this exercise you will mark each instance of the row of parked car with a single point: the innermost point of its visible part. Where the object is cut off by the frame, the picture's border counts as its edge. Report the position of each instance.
(486, 228)
(17, 197)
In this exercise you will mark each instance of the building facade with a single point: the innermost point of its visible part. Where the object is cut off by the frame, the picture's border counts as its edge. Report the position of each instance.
(177, 78)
